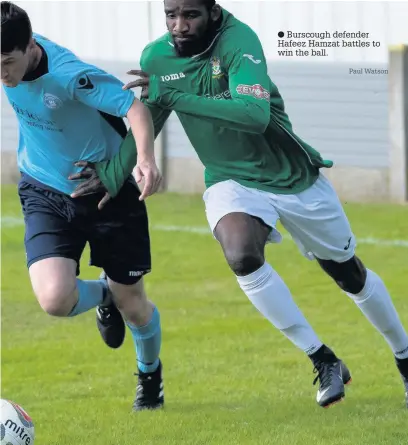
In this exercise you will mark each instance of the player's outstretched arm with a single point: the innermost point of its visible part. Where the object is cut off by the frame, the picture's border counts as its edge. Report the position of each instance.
(111, 174)
(249, 109)
(114, 172)
(142, 128)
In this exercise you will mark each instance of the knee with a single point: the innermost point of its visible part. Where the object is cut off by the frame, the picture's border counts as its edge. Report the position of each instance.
(56, 299)
(243, 262)
(350, 276)
(132, 301)
(128, 297)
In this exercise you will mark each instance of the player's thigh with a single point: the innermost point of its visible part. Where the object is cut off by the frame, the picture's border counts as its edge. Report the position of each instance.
(53, 245)
(316, 220)
(229, 197)
(120, 240)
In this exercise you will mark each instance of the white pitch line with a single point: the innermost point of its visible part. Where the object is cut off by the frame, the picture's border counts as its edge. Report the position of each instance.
(14, 221)
(206, 231)
(11, 221)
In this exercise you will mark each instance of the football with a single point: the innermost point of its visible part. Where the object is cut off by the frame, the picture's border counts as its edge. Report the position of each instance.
(16, 426)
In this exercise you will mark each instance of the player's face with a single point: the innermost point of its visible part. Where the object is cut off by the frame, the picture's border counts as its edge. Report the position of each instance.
(14, 65)
(191, 25)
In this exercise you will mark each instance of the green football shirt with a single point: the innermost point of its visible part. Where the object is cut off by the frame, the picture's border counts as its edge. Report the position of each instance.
(231, 111)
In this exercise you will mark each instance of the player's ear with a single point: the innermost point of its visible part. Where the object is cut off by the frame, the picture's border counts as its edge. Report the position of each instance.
(215, 12)
(31, 44)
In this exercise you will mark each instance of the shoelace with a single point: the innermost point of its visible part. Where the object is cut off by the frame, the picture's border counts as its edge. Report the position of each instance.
(144, 385)
(324, 374)
(104, 312)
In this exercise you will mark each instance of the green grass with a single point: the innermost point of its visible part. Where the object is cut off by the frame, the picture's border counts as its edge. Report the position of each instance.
(230, 378)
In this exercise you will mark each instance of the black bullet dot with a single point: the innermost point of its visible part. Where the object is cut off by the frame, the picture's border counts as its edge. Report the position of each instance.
(281, 34)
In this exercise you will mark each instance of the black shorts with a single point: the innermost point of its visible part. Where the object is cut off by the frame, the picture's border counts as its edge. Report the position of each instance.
(57, 225)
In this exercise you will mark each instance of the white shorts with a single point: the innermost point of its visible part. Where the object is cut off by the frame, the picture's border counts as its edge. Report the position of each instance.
(314, 218)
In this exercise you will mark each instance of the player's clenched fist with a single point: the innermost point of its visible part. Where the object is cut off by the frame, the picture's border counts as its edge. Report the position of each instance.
(147, 169)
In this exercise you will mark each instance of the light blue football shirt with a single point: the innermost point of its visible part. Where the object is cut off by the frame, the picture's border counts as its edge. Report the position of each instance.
(59, 117)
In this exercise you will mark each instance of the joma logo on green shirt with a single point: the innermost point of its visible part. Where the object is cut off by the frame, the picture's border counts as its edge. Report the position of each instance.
(172, 77)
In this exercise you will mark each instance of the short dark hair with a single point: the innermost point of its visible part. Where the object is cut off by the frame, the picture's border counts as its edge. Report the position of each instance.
(209, 4)
(16, 31)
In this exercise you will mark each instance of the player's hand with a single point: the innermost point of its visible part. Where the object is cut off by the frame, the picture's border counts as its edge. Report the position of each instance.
(147, 169)
(91, 185)
(143, 82)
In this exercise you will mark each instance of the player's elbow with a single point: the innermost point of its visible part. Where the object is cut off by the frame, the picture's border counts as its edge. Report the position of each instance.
(139, 114)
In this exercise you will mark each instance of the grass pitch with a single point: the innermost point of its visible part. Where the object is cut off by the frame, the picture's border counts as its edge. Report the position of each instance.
(230, 377)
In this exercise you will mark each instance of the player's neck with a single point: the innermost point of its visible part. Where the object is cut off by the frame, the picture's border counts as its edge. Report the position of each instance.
(35, 59)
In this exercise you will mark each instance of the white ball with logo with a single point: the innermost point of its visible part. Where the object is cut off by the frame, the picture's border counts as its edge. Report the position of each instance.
(16, 426)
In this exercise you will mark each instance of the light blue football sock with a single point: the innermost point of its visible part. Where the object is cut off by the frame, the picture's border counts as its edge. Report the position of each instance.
(147, 341)
(91, 293)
